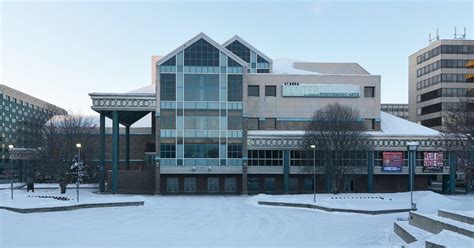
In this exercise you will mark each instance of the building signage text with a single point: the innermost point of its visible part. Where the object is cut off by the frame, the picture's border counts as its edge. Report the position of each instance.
(292, 89)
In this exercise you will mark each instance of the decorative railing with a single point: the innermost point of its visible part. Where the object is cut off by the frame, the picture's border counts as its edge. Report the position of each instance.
(136, 102)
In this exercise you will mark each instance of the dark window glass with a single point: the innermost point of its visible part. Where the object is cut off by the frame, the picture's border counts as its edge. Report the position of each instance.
(240, 50)
(168, 151)
(270, 123)
(167, 87)
(431, 109)
(189, 184)
(270, 90)
(234, 89)
(269, 184)
(234, 120)
(168, 119)
(213, 185)
(232, 63)
(432, 122)
(253, 90)
(252, 124)
(172, 184)
(171, 61)
(263, 70)
(253, 184)
(201, 53)
(369, 91)
(234, 150)
(201, 150)
(230, 185)
(201, 87)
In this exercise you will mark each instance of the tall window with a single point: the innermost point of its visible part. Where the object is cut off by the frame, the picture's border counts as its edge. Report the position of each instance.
(240, 50)
(234, 92)
(213, 184)
(230, 184)
(234, 151)
(189, 184)
(168, 151)
(253, 90)
(172, 185)
(167, 87)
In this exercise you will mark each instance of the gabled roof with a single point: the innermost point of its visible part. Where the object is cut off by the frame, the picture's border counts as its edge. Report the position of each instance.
(248, 45)
(206, 38)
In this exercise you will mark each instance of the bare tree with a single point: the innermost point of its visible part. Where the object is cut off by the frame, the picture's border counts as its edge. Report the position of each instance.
(337, 131)
(459, 127)
(57, 147)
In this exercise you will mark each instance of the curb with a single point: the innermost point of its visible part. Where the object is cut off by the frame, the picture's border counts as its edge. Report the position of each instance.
(327, 209)
(72, 207)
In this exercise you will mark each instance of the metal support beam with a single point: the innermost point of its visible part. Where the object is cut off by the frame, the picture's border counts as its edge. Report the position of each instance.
(370, 171)
(452, 172)
(102, 153)
(115, 149)
(127, 147)
(286, 170)
(244, 178)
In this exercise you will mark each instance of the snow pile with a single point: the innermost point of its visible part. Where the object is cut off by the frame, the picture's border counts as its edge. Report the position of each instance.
(427, 201)
(46, 198)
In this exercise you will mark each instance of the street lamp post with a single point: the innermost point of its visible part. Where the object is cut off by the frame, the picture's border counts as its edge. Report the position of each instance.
(11, 170)
(314, 172)
(412, 147)
(78, 145)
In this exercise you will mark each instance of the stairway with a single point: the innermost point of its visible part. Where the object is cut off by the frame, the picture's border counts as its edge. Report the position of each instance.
(446, 229)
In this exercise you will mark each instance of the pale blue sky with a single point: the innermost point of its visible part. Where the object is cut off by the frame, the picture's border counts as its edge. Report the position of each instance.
(60, 51)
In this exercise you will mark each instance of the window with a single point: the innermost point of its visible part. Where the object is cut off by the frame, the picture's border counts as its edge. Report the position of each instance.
(201, 150)
(234, 120)
(269, 184)
(254, 90)
(201, 87)
(270, 123)
(168, 151)
(240, 50)
(234, 151)
(252, 123)
(201, 53)
(253, 184)
(234, 92)
(172, 185)
(349, 185)
(308, 184)
(270, 90)
(168, 119)
(213, 185)
(293, 184)
(230, 185)
(265, 158)
(167, 87)
(189, 184)
(369, 91)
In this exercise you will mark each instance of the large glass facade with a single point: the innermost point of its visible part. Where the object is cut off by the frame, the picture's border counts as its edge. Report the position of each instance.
(257, 64)
(202, 124)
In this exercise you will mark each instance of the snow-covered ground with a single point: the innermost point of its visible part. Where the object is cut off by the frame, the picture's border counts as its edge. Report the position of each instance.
(423, 199)
(207, 221)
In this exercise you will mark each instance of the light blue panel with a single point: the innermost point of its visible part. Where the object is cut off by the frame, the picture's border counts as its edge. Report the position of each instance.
(223, 123)
(179, 151)
(179, 80)
(222, 59)
(179, 122)
(180, 58)
(223, 151)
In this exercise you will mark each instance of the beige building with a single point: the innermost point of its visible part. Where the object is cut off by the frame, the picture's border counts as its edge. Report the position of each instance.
(440, 76)
(397, 109)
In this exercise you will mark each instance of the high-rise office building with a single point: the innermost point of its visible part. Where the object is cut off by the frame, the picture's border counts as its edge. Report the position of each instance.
(441, 76)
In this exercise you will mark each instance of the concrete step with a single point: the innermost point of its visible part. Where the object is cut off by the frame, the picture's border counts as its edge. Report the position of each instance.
(409, 233)
(461, 216)
(435, 224)
(448, 239)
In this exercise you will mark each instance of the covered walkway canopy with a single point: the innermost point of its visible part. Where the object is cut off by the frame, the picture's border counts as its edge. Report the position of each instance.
(125, 109)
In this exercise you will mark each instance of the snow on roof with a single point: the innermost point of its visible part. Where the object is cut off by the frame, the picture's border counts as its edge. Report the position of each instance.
(286, 66)
(391, 126)
(395, 126)
(149, 89)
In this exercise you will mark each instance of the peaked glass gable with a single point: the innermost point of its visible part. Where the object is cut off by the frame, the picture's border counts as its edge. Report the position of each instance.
(201, 53)
(240, 50)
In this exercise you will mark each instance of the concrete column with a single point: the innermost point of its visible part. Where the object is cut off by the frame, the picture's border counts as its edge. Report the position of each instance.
(127, 147)
(244, 178)
(115, 149)
(452, 172)
(411, 169)
(102, 153)
(157, 177)
(286, 170)
(370, 171)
